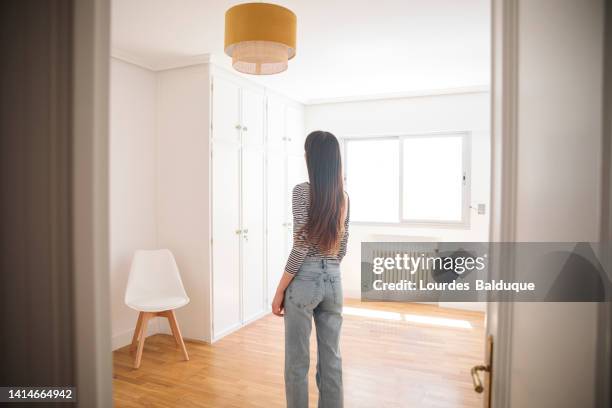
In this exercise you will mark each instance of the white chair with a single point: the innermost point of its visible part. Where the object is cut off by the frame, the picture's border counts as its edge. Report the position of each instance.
(155, 288)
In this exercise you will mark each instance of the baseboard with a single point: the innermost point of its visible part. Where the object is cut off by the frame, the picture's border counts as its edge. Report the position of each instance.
(227, 331)
(257, 316)
(125, 338)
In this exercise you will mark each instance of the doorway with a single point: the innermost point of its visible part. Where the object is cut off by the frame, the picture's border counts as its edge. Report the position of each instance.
(200, 154)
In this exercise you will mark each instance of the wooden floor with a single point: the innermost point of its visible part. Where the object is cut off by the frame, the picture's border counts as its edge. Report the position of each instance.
(394, 355)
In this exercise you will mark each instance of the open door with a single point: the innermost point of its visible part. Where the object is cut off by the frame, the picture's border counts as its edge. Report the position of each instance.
(547, 137)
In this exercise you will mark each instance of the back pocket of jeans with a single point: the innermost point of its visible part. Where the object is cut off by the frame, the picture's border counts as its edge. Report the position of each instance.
(303, 292)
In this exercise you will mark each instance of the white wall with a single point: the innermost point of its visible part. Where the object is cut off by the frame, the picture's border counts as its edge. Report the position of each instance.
(458, 112)
(183, 191)
(558, 191)
(133, 169)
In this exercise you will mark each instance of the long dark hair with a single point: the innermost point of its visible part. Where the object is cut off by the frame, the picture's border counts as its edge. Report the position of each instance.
(325, 224)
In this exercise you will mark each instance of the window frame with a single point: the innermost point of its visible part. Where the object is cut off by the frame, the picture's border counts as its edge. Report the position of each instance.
(465, 136)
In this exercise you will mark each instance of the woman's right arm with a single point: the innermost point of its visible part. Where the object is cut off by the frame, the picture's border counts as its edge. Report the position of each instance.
(279, 296)
(299, 208)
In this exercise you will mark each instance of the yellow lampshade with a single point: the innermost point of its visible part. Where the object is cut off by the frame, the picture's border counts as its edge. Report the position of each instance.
(260, 37)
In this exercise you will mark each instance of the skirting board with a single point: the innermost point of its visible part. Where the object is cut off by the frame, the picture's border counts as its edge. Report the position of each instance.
(125, 338)
(234, 328)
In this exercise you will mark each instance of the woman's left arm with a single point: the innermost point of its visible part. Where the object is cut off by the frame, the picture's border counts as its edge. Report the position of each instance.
(344, 241)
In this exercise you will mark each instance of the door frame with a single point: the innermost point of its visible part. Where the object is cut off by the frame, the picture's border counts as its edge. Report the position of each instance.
(504, 93)
(603, 386)
(92, 53)
(90, 226)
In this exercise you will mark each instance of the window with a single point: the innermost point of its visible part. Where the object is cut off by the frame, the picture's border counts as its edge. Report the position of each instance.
(408, 179)
(373, 166)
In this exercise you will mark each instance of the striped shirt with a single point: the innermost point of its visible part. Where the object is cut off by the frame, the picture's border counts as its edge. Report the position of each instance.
(302, 247)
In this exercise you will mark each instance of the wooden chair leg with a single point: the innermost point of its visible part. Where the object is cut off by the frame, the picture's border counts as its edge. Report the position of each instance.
(168, 315)
(177, 332)
(143, 335)
(137, 331)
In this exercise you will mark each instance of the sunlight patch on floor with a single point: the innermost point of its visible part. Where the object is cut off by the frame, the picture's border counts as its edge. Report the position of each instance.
(411, 318)
(438, 321)
(377, 314)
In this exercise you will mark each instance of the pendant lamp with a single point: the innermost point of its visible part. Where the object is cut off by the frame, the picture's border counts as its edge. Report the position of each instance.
(260, 37)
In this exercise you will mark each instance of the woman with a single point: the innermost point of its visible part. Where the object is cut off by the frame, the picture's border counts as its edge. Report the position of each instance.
(311, 285)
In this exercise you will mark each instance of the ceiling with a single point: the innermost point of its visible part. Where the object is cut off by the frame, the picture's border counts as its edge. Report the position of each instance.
(345, 48)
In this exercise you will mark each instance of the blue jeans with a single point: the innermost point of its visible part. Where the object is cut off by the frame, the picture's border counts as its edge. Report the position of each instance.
(315, 291)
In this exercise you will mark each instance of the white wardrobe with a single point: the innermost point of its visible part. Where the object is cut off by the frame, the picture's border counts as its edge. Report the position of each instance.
(229, 152)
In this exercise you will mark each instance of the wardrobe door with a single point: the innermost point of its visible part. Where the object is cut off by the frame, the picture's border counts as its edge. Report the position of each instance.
(253, 205)
(295, 129)
(277, 196)
(296, 164)
(225, 208)
(296, 174)
(253, 115)
(225, 109)
(226, 237)
(277, 134)
(277, 221)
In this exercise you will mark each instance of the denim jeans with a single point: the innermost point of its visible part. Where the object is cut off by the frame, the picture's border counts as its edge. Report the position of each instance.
(315, 291)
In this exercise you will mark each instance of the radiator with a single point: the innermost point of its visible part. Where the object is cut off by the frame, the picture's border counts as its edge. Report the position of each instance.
(389, 250)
